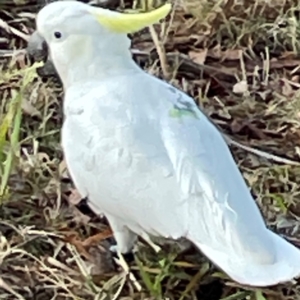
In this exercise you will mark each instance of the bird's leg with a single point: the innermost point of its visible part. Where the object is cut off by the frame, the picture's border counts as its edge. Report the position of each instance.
(124, 237)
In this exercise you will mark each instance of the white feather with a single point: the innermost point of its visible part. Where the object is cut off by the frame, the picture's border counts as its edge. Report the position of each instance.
(150, 169)
(170, 176)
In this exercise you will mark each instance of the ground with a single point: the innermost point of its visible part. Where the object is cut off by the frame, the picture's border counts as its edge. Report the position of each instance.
(240, 62)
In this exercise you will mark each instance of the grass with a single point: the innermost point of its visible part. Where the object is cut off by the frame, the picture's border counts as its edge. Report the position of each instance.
(249, 86)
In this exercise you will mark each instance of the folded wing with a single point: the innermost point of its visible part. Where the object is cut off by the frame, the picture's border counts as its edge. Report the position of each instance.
(224, 221)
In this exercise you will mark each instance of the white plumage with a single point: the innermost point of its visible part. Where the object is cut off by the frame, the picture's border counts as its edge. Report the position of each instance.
(147, 157)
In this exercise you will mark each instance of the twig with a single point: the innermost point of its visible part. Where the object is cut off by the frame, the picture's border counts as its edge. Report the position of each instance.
(13, 30)
(261, 153)
(6, 287)
(121, 261)
(11, 53)
(160, 51)
(147, 239)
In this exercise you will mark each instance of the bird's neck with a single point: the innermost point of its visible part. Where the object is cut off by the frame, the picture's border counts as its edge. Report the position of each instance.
(94, 61)
(97, 69)
(100, 69)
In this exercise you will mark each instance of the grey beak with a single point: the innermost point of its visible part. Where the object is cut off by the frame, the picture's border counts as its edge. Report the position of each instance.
(37, 49)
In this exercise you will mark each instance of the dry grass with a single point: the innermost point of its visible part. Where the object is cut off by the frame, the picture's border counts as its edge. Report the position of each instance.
(239, 60)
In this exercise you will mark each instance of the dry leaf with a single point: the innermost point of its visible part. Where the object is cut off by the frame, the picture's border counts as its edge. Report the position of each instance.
(62, 169)
(29, 109)
(240, 87)
(20, 58)
(79, 217)
(198, 57)
(286, 88)
(295, 79)
(83, 246)
(97, 238)
(74, 198)
(230, 54)
(74, 240)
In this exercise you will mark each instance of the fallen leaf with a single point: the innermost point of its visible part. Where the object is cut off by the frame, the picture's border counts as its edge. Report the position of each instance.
(29, 109)
(20, 58)
(240, 87)
(230, 54)
(74, 198)
(74, 240)
(295, 79)
(72, 237)
(97, 238)
(62, 169)
(286, 88)
(198, 57)
(79, 217)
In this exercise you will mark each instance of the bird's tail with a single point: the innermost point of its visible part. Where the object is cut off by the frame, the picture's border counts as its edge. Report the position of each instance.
(285, 267)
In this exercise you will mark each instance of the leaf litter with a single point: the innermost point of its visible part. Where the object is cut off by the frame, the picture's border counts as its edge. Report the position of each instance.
(239, 61)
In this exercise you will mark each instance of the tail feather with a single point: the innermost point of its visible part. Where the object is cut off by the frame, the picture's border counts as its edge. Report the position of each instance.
(284, 268)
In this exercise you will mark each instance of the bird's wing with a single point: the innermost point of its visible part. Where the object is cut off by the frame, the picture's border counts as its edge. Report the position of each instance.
(214, 207)
(223, 219)
(222, 212)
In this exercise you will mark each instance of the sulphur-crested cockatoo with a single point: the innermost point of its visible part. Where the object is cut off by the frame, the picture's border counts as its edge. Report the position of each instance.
(146, 156)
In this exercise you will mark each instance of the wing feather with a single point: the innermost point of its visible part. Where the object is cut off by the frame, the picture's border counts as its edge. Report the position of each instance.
(223, 214)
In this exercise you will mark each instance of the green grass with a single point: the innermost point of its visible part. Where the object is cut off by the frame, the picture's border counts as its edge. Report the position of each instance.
(11, 125)
(42, 232)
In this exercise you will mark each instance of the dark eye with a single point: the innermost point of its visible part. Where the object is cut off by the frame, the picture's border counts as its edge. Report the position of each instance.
(57, 34)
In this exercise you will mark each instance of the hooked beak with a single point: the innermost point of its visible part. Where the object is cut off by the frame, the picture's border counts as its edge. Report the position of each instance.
(37, 47)
(38, 51)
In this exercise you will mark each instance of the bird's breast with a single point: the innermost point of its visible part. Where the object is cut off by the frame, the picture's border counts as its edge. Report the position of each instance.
(122, 175)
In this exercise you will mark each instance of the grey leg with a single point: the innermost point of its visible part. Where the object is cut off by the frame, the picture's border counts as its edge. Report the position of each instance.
(124, 237)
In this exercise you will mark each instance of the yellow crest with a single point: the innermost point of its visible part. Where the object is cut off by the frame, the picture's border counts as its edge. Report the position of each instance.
(130, 22)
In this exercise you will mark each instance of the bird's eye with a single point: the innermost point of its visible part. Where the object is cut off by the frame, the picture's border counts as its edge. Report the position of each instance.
(57, 34)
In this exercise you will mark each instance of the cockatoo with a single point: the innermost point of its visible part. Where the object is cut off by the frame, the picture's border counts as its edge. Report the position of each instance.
(146, 156)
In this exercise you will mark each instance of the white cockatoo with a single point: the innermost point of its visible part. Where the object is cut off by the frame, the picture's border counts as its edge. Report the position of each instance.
(146, 156)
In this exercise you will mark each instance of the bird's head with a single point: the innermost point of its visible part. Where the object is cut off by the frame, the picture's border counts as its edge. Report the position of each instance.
(81, 35)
